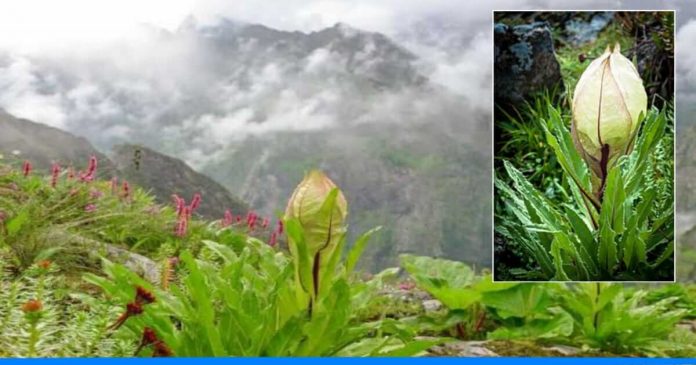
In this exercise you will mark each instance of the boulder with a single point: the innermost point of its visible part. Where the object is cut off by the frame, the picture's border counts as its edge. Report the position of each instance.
(525, 64)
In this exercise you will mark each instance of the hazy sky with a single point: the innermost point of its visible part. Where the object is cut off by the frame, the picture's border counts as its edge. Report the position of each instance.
(452, 37)
(50, 23)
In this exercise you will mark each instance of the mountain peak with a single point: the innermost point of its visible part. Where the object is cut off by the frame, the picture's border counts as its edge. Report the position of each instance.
(346, 30)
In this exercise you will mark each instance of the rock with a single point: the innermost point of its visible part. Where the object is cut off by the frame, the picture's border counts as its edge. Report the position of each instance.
(525, 63)
(413, 295)
(565, 350)
(464, 349)
(579, 31)
(432, 305)
(141, 265)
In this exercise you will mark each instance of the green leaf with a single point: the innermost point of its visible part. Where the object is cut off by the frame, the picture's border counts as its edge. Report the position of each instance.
(15, 224)
(559, 326)
(611, 220)
(558, 262)
(413, 348)
(358, 248)
(521, 300)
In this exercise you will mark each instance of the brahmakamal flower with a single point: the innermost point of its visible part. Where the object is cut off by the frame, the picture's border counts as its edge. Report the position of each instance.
(608, 103)
(322, 231)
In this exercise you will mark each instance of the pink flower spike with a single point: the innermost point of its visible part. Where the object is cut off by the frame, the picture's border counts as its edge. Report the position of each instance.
(179, 203)
(195, 202)
(55, 171)
(182, 223)
(26, 168)
(274, 238)
(126, 189)
(92, 167)
(280, 227)
(227, 220)
(251, 220)
(90, 208)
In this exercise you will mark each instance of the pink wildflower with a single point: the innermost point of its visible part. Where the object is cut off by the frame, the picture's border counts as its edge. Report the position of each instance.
(55, 171)
(280, 227)
(182, 224)
(126, 189)
(195, 202)
(274, 238)
(251, 220)
(26, 168)
(179, 203)
(407, 285)
(91, 170)
(90, 208)
(227, 220)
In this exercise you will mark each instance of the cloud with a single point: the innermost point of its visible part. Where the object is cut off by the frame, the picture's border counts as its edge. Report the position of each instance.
(21, 93)
(159, 85)
(686, 59)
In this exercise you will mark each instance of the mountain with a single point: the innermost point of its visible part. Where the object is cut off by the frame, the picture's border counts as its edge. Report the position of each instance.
(23, 139)
(164, 176)
(254, 108)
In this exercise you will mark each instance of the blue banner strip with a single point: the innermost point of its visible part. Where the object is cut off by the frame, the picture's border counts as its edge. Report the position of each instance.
(351, 361)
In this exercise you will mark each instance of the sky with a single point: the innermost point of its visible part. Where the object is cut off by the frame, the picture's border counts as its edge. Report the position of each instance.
(108, 45)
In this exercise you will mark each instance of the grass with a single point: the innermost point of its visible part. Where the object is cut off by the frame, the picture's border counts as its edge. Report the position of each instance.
(75, 315)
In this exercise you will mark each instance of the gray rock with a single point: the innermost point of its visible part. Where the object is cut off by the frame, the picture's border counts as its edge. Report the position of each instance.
(432, 305)
(580, 31)
(565, 350)
(465, 349)
(525, 63)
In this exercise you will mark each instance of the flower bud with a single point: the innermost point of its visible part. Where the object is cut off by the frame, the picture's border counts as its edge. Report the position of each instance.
(607, 105)
(32, 306)
(322, 230)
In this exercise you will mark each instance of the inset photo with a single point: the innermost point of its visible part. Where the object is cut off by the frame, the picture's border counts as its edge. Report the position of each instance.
(583, 146)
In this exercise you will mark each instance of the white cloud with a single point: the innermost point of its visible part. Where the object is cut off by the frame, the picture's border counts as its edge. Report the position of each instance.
(686, 59)
(21, 95)
(128, 82)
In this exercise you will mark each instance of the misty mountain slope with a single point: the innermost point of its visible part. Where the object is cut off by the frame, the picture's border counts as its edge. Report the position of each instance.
(162, 175)
(22, 139)
(254, 108)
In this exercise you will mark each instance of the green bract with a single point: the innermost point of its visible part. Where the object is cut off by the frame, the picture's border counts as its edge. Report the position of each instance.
(608, 105)
(323, 228)
(315, 218)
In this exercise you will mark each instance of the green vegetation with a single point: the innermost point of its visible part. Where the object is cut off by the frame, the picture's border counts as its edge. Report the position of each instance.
(222, 290)
(627, 236)
(555, 217)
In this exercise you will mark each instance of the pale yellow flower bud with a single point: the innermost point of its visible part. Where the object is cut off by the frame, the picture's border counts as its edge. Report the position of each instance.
(322, 230)
(607, 105)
